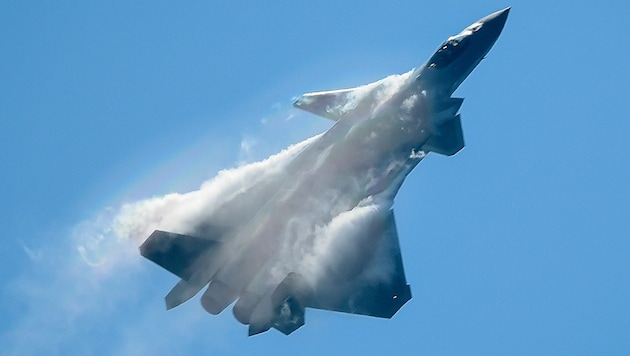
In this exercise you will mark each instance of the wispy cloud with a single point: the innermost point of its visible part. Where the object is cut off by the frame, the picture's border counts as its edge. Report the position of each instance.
(247, 145)
(74, 290)
(83, 285)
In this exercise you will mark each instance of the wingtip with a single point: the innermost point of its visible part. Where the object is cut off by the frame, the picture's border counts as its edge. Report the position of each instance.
(299, 102)
(253, 330)
(170, 303)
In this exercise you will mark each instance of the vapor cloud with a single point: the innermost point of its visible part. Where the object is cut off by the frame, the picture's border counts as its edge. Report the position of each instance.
(102, 267)
(86, 278)
(321, 232)
(183, 212)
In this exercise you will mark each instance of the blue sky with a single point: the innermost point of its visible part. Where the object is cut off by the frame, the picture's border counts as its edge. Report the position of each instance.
(518, 244)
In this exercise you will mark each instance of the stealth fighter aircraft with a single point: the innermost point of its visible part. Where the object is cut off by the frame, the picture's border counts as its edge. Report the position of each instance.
(320, 232)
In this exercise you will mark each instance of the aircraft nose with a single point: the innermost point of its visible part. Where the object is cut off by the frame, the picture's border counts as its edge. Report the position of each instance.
(496, 19)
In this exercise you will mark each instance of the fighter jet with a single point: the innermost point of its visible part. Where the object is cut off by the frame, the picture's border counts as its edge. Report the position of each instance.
(320, 232)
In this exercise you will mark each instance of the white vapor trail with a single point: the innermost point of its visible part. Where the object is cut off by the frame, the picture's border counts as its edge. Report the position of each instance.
(310, 237)
(106, 262)
(182, 212)
(72, 285)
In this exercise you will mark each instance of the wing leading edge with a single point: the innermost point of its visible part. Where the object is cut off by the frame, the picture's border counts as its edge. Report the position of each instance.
(332, 104)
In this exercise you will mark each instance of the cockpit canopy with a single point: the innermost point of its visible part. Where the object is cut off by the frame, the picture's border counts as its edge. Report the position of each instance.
(448, 52)
(453, 47)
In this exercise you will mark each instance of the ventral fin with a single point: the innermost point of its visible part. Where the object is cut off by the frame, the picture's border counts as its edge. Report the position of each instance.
(448, 138)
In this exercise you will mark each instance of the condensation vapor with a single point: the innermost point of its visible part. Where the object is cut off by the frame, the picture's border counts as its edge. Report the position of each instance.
(321, 231)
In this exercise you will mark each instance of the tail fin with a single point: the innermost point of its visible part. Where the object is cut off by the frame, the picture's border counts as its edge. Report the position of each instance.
(449, 138)
(174, 252)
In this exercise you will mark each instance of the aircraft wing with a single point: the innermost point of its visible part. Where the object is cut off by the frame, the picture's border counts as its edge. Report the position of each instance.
(332, 104)
(379, 290)
(368, 294)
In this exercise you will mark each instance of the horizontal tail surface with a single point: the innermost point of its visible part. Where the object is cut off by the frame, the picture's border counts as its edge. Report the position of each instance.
(174, 252)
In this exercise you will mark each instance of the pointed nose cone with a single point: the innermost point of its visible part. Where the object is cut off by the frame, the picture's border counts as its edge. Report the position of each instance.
(496, 20)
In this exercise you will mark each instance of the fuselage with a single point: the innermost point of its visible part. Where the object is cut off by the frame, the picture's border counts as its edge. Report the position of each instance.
(365, 156)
